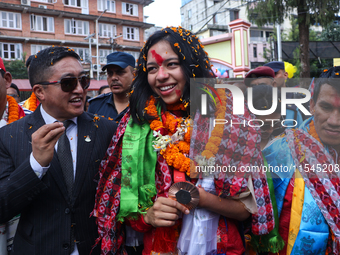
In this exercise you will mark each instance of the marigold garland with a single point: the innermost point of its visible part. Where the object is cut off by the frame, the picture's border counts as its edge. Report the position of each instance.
(33, 102)
(211, 148)
(174, 152)
(13, 110)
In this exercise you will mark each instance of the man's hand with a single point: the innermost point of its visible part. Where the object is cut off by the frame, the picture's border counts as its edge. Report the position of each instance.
(44, 140)
(164, 212)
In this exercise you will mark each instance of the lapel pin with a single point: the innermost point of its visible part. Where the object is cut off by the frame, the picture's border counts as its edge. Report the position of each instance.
(88, 139)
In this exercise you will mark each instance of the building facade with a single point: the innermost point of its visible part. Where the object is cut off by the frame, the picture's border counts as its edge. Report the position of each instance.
(93, 28)
(209, 18)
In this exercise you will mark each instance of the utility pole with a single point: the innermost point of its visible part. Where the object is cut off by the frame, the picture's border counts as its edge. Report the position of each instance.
(279, 45)
(97, 51)
(90, 53)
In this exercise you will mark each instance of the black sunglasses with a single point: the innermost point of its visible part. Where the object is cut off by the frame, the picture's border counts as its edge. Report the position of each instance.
(13, 95)
(68, 84)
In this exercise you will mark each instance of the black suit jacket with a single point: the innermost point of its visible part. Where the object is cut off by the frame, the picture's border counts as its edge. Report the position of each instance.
(46, 211)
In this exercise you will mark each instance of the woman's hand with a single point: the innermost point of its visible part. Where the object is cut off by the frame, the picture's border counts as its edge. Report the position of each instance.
(164, 212)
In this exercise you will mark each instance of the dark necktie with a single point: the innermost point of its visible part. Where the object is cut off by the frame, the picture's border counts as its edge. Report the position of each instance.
(66, 162)
(65, 158)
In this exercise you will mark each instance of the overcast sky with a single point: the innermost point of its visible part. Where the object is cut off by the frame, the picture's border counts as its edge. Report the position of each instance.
(164, 13)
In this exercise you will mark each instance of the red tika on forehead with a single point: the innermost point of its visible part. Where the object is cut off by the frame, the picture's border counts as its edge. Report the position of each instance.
(336, 102)
(158, 58)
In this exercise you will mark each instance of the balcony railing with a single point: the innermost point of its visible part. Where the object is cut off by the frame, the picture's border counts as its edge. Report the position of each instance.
(258, 39)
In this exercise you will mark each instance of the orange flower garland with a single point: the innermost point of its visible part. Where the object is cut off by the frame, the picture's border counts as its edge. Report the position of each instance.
(13, 110)
(174, 152)
(211, 148)
(31, 103)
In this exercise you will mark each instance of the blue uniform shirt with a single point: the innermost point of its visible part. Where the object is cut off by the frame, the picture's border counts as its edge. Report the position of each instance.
(103, 105)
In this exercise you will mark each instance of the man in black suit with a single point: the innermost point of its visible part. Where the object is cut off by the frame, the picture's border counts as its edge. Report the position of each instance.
(54, 203)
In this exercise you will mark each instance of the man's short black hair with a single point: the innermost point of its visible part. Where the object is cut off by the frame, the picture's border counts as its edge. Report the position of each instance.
(2, 72)
(40, 64)
(16, 88)
(102, 88)
(329, 77)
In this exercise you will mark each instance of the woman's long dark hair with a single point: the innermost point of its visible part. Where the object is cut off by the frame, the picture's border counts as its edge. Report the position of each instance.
(193, 60)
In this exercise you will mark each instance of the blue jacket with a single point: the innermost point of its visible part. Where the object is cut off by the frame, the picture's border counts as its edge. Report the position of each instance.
(103, 105)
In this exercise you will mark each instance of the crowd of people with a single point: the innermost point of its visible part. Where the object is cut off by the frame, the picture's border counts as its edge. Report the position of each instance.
(120, 176)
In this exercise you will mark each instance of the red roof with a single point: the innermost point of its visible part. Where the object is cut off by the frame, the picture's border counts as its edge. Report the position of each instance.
(24, 84)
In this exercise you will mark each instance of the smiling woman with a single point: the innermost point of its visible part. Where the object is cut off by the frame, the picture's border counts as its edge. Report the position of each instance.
(151, 153)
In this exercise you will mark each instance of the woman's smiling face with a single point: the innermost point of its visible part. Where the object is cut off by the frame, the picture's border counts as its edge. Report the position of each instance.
(165, 75)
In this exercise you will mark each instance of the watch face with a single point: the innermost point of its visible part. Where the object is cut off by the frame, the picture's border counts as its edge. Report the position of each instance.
(185, 193)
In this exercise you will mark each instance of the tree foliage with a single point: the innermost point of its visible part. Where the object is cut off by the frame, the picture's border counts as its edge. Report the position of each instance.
(264, 12)
(293, 33)
(17, 68)
(331, 33)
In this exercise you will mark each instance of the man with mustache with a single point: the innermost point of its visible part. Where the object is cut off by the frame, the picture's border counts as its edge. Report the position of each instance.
(120, 73)
(307, 195)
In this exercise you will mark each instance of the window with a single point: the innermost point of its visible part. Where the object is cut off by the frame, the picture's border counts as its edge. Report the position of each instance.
(189, 14)
(106, 5)
(255, 52)
(106, 30)
(234, 15)
(35, 48)
(255, 33)
(102, 55)
(182, 17)
(76, 27)
(10, 20)
(41, 23)
(269, 34)
(83, 54)
(75, 3)
(10, 50)
(131, 33)
(130, 9)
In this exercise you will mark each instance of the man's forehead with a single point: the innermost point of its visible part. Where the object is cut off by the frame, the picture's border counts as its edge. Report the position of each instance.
(259, 80)
(328, 92)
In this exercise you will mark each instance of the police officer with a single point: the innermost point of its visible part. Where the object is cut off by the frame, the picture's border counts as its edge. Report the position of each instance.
(120, 73)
